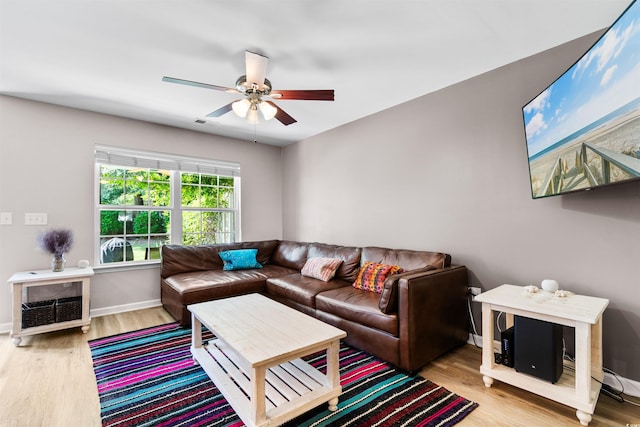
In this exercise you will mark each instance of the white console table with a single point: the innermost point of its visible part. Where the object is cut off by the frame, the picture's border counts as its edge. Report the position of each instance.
(27, 279)
(583, 313)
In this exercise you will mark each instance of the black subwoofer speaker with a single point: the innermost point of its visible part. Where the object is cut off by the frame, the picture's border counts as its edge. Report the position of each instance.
(538, 348)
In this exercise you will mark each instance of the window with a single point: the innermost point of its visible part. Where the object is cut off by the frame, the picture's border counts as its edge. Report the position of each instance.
(206, 217)
(146, 200)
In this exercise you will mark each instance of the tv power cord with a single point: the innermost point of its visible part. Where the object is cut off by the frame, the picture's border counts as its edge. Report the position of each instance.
(616, 395)
(606, 389)
(474, 331)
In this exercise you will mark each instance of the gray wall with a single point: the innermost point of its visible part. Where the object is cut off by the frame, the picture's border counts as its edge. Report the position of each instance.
(444, 172)
(47, 165)
(448, 172)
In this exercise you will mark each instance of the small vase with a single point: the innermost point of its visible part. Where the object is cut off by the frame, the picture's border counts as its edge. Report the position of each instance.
(58, 262)
(549, 285)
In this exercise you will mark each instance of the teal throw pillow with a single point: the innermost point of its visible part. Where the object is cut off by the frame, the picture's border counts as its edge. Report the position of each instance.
(240, 259)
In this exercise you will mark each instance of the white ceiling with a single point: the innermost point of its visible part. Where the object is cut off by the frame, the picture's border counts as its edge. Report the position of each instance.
(109, 56)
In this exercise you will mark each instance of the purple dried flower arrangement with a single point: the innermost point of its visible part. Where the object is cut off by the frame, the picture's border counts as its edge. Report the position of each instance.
(56, 241)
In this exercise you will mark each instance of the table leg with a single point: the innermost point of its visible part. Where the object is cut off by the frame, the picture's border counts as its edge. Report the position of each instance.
(257, 397)
(584, 417)
(583, 362)
(16, 326)
(333, 371)
(487, 341)
(333, 404)
(596, 350)
(86, 289)
(488, 381)
(196, 334)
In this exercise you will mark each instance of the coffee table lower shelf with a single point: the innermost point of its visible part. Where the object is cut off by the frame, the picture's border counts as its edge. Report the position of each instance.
(289, 389)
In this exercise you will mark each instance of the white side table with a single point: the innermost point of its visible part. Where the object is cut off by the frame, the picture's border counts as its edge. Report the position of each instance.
(581, 312)
(27, 279)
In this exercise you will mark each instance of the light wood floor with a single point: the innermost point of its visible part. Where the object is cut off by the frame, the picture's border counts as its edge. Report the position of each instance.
(48, 381)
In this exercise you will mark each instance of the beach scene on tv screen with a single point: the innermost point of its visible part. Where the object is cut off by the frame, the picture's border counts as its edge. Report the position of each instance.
(583, 131)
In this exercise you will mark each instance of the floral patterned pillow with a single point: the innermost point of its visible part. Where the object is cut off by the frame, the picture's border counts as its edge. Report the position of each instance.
(372, 275)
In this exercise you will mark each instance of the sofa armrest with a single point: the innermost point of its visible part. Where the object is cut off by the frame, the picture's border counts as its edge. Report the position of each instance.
(388, 303)
(432, 314)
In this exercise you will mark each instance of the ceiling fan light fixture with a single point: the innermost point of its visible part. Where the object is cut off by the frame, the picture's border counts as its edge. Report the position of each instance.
(252, 115)
(268, 110)
(241, 107)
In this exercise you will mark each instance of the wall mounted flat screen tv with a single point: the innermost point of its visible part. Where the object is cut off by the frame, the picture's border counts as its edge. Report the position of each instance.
(583, 131)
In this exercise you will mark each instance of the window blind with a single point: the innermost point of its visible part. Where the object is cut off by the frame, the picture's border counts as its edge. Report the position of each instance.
(119, 156)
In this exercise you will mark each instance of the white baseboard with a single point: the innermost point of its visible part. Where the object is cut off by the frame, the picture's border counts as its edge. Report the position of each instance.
(631, 387)
(5, 328)
(98, 312)
(478, 341)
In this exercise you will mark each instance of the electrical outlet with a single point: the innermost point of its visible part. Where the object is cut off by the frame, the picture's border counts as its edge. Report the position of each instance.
(473, 290)
(35, 218)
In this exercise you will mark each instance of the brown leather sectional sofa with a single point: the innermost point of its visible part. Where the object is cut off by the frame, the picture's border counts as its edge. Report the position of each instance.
(421, 313)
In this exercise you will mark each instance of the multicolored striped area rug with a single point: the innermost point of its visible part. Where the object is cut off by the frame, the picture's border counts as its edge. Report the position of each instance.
(147, 378)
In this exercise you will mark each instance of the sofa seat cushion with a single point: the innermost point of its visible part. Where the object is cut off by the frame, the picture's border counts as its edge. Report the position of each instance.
(301, 289)
(357, 306)
(199, 286)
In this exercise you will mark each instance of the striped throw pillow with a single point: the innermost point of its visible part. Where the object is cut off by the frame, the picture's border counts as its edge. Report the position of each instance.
(321, 268)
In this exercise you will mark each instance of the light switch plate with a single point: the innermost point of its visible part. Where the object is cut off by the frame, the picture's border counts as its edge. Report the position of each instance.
(6, 218)
(35, 218)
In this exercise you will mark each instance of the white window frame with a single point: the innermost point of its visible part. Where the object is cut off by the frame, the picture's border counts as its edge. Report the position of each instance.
(176, 164)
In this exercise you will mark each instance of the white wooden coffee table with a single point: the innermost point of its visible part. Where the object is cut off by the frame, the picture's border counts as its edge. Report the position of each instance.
(255, 358)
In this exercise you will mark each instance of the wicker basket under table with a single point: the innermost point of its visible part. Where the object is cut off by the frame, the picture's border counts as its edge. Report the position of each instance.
(38, 313)
(68, 309)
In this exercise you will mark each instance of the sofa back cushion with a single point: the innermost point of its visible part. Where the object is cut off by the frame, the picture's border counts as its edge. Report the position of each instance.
(407, 259)
(182, 259)
(349, 255)
(290, 254)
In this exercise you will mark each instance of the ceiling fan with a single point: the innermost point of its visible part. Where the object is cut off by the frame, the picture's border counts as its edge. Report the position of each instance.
(255, 86)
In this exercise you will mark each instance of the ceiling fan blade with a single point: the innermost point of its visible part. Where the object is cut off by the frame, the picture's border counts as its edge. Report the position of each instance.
(220, 111)
(311, 95)
(281, 115)
(198, 84)
(256, 68)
